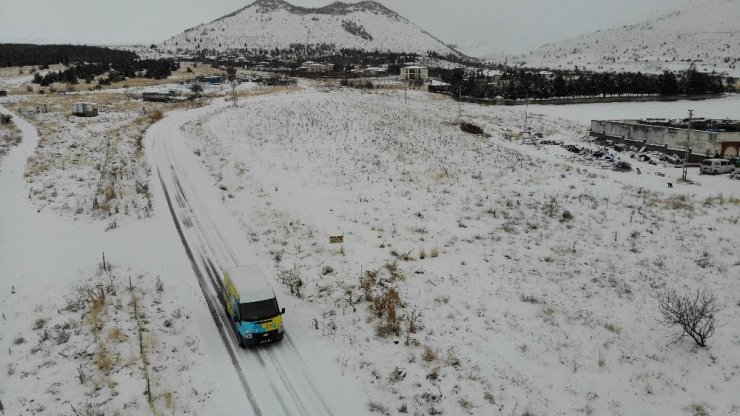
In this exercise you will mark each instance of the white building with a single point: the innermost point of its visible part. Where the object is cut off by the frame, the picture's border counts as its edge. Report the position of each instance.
(415, 73)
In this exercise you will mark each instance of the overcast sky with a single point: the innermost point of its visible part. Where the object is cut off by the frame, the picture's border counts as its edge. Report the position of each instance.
(499, 25)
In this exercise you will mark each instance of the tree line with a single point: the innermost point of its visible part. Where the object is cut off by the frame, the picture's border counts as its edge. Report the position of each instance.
(519, 84)
(139, 68)
(83, 63)
(20, 54)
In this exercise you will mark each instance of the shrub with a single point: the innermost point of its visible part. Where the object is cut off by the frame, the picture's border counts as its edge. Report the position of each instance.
(434, 253)
(405, 256)
(470, 128)
(155, 116)
(693, 313)
(622, 167)
(158, 285)
(292, 280)
(377, 407)
(567, 216)
(367, 282)
(39, 323)
(385, 306)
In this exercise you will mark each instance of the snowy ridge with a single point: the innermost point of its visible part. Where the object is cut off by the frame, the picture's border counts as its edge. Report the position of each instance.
(704, 32)
(270, 24)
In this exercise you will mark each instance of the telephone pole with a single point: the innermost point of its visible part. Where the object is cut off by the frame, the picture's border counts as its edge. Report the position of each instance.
(688, 149)
(459, 105)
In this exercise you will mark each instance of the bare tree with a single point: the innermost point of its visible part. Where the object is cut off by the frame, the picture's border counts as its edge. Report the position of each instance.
(693, 313)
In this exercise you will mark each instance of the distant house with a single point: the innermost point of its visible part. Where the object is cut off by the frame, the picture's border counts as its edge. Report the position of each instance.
(85, 109)
(318, 68)
(377, 71)
(438, 86)
(418, 73)
(548, 75)
(213, 80)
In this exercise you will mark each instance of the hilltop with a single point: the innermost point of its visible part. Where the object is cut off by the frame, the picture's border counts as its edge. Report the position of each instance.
(706, 33)
(270, 24)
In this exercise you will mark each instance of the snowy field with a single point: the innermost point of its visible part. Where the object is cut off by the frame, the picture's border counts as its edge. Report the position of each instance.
(478, 275)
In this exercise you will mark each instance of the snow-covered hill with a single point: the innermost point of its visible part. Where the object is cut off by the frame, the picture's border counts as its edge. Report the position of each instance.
(705, 32)
(270, 24)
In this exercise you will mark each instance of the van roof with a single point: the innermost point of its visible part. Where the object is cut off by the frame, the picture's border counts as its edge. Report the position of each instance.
(251, 283)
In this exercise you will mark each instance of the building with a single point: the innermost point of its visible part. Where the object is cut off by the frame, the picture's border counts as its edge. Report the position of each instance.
(708, 137)
(417, 73)
(548, 75)
(85, 109)
(315, 68)
(214, 80)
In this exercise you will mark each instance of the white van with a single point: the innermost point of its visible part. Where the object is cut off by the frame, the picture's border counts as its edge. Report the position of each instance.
(251, 304)
(715, 166)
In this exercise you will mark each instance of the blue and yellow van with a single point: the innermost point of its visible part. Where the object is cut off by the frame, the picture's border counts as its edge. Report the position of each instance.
(252, 306)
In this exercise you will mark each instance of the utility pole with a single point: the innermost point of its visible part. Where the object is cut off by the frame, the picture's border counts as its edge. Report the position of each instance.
(459, 106)
(688, 149)
(526, 109)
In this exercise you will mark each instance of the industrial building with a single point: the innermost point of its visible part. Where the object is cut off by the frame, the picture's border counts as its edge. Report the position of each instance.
(708, 137)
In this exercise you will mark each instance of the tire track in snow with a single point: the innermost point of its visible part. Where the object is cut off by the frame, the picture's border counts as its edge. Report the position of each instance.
(209, 301)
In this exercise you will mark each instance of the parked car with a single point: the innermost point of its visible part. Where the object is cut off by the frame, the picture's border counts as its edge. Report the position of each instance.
(716, 166)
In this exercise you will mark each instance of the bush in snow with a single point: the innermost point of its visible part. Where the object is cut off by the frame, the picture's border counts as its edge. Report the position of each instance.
(693, 313)
(292, 280)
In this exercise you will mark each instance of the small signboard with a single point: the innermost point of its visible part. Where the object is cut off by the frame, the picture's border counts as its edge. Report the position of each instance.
(336, 239)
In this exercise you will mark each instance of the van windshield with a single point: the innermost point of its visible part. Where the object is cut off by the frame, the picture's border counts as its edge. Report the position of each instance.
(707, 163)
(255, 311)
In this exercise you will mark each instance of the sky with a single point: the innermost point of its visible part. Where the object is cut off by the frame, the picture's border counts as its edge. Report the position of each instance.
(502, 26)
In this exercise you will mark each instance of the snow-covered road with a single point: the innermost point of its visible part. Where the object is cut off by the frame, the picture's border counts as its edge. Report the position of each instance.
(287, 378)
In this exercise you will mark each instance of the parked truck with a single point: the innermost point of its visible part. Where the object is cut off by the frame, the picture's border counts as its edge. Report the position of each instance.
(252, 306)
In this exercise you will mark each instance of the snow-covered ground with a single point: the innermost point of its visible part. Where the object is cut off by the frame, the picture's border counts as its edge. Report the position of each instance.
(530, 275)
(193, 365)
(478, 274)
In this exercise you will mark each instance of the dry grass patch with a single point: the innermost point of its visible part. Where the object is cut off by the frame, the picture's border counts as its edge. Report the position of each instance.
(104, 360)
(434, 253)
(116, 335)
(39, 324)
(267, 91)
(429, 355)
(612, 328)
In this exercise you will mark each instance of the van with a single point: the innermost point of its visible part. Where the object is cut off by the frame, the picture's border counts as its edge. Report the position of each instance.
(715, 166)
(252, 306)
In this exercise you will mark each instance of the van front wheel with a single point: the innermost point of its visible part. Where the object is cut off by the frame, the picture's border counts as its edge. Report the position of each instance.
(241, 341)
